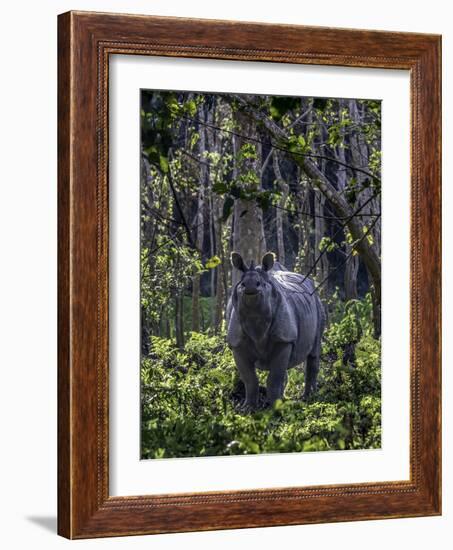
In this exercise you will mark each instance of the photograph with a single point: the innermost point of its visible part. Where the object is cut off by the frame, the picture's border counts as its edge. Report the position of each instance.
(260, 274)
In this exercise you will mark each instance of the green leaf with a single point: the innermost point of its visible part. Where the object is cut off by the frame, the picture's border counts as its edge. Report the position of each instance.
(163, 161)
(302, 141)
(191, 107)
(212, 262)
(193, 139)
(326, 243)
(278, 405)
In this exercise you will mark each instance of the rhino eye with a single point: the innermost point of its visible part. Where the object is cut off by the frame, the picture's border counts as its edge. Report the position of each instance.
(258, 283)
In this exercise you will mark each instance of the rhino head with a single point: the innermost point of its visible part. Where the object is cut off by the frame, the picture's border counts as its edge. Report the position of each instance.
(253, 293)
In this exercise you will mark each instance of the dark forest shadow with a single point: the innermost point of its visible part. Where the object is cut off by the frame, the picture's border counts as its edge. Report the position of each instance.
(49, 523)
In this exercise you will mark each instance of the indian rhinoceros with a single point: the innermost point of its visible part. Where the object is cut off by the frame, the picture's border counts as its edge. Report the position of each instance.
(275, 321)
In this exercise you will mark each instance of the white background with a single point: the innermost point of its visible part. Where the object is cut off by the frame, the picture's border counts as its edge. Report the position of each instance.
(128, 475)
(28, 272)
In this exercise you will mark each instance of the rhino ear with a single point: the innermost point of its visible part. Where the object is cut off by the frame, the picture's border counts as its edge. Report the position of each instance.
(237, 261)
(268, 261)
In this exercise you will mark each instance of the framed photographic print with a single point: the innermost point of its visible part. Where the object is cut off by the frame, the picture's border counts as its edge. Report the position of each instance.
(249, 275)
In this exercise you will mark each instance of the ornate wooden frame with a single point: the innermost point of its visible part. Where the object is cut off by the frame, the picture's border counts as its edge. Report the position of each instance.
(85, 41)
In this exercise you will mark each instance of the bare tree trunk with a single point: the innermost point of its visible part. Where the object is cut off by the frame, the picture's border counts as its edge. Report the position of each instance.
(352, 263)
(179, 319)
(248, 232)
(217, 204)
(213, 244)
(376, 297)
(322, 268)
(279, 212)
(213, 146)
(199, 225)
(350, 276)
(196, 302)
(219, 301)
(306, 227)
(360, 157)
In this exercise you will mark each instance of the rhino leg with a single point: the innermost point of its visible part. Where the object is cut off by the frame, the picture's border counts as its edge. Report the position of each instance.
(311, 375)
(278, 375)
(248, 375)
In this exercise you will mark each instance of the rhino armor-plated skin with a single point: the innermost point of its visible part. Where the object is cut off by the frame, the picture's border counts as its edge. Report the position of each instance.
(275, 322)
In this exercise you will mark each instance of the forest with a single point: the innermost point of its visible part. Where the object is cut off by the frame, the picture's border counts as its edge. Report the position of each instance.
(298, 176)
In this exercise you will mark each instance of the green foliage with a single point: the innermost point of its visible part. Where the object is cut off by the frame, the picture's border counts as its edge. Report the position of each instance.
(326, 243)
(206, 304)
(296, 144)
(350, 322)
(247, 152)
(171, 268)
(213, 262)
(190, 400)
(375, 162)
(280, 105)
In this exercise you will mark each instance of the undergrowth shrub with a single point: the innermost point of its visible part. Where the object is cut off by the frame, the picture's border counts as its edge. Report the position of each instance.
(189, 406)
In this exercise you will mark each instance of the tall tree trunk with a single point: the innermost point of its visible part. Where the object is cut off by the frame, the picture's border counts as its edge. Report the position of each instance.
(322, 268)
(352, 263)
(350, 276)
(179, 319)
(213, 142)
(213, 244)
(360, 157)
(196, 302)
(280, 211)
(248, 231)
(199, 224)
(305, 226)
(219, 300)
(376, 298)
(220, 276)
